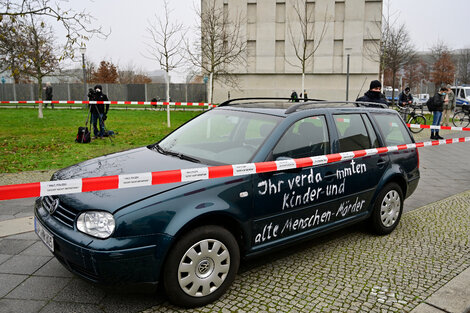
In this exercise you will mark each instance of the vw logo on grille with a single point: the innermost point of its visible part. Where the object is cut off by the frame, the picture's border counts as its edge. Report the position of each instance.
(54, 205)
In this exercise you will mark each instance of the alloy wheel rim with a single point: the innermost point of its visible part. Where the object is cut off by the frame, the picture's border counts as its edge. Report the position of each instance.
(203, 268)
(390, 208)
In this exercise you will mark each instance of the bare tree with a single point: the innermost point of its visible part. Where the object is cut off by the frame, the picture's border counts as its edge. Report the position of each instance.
(40, 56)
(12, 46)
(411, 77)
(130, 75)
(443, 67)
(220, 44)
(377, 51)
(443, 70)
(78, 25)
(164, 46)
(307, 41)
(438, 49)
(397, 51)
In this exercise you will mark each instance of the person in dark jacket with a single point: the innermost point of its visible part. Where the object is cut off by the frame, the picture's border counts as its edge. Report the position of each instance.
(98, 111)
(438, 105)
(48, 92)
(405, 97)
(374, 94)
(294, 97)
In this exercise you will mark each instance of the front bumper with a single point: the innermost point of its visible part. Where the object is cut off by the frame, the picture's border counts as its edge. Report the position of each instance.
(109, 261)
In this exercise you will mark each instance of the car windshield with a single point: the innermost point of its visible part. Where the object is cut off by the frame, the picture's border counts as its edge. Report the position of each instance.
(220, 136)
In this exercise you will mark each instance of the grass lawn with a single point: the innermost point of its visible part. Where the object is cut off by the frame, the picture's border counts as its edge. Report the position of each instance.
(28, 143)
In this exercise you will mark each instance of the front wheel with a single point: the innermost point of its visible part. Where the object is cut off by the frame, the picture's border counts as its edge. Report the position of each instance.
(388, 208)
(201, 266)
(417, 119)
(460, 119)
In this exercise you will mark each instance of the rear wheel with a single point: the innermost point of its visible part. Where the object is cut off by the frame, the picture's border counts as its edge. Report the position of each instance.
(201, 266)
(388, 208)
(417, 119)
(460, 119)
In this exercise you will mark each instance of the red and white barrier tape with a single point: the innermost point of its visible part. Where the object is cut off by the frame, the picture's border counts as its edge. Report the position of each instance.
(438, 127)
(174, 176)
(194, 104)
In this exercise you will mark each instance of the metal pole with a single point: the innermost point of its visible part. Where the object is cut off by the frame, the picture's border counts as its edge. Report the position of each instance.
(347, 78)
(84, 77)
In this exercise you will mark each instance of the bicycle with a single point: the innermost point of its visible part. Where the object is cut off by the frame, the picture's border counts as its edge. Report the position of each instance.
(414, 117)
(461, 118)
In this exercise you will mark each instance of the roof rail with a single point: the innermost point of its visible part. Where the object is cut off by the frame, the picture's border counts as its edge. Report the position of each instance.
(294, 107)
(229, 102)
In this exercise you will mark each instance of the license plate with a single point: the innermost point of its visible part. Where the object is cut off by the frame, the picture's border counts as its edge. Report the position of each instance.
(45, 236)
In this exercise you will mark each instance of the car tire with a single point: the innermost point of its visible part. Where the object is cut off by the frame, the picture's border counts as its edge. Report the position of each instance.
(388, 208)
(201, 266)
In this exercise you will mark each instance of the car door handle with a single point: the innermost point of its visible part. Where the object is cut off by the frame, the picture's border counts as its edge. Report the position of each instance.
(381, 162)
(329, 176)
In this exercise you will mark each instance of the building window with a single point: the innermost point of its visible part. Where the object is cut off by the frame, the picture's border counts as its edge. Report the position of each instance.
(280, 12)
(251, 13)
(251, 56)
(339, 11)
(280, 51)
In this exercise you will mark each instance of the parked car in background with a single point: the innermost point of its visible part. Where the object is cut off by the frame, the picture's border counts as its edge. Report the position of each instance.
(388, 94)
(421, 98)
(191, 235)
(462, 95)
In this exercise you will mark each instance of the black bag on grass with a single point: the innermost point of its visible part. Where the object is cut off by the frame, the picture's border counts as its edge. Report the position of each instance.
(83, 135)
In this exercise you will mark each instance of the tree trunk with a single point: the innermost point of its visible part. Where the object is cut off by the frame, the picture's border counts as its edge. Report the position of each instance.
(303, 85)
(40, 97)
(211, 77)
(393, 87)
(168, 99)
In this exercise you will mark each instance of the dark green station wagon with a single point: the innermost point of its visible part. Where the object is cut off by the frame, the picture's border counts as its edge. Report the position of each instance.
(191, 235)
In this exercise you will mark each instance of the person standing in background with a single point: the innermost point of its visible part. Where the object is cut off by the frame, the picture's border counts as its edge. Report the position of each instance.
(448, 106)
(48, 92)
(438, 107)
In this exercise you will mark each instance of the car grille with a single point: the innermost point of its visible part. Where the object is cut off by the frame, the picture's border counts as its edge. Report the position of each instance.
(65, 215)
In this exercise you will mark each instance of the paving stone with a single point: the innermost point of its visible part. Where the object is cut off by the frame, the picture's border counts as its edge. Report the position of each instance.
(39, 288)
(61, 307)
(9, 282)
(27, 306)
(14, 246)
(37, 248)
(79, 291)
(23, 264)
(28, 236)
(4, 257)
(135, 303)
(53, 269)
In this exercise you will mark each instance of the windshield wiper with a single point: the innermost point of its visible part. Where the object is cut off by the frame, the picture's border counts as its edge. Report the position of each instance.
(187, 158)
(159, 149)
(176, 154)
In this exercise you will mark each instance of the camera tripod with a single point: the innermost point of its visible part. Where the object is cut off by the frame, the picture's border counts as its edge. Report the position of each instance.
(101, 121)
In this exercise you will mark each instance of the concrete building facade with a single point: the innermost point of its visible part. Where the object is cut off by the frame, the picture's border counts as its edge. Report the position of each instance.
(337, 28)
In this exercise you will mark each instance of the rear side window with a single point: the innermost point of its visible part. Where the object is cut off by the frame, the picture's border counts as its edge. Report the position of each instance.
(305, 138)
(393, 129)
(353, 133)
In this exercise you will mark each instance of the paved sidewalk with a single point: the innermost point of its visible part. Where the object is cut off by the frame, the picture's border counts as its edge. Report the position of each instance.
(424, 266)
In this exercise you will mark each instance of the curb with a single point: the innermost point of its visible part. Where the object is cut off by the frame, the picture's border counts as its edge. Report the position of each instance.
(16, 226)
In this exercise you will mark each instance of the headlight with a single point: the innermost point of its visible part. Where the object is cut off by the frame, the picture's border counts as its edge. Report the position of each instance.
(96, 224)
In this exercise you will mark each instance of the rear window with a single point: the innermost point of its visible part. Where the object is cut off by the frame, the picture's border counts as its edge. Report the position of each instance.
(353, 133)
(393, 129)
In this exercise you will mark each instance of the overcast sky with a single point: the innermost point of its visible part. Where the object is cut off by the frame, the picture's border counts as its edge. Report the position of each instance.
(427, 22)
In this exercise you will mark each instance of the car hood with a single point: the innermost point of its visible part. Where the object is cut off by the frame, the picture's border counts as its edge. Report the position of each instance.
(138, 160)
